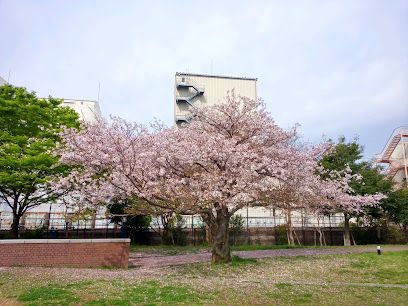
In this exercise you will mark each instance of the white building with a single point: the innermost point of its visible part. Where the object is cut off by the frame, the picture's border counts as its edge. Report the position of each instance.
(395, 155)
(87, 110)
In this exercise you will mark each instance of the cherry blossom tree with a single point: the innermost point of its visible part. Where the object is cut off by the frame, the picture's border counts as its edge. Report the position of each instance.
(214, 166)
(228, 157)
(307, 186)
(342, 198)
(299, 187)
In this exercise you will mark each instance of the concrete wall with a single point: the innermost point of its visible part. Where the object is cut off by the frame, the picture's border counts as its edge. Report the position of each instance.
(399, 177)
(67, 253)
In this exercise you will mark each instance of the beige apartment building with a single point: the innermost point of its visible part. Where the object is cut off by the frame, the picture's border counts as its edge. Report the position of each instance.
(195, 90)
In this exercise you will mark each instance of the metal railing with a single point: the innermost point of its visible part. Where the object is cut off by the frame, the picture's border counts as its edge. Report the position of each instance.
(195, 221)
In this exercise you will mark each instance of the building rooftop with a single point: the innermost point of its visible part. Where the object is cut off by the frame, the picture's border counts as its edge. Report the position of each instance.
(77, 100)
(215, 76)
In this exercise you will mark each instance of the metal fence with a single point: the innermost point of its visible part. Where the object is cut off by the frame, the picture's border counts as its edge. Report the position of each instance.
(326, 230)
(192, 221)
(42, 227)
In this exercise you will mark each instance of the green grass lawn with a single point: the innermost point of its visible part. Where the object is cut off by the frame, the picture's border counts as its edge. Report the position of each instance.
(317, 280)
(114, 293)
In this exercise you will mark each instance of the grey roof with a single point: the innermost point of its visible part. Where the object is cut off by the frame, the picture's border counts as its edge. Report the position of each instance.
(215, 76)
(2, 81)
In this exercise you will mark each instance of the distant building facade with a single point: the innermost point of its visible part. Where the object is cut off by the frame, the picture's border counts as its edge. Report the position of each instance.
(88, 111)
(195, 90)
(395, 155)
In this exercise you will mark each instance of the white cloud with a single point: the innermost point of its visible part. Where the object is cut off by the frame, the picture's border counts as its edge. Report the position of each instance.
(337, 67)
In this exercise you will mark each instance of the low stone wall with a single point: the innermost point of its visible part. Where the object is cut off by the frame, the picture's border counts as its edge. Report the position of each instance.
(65, 252)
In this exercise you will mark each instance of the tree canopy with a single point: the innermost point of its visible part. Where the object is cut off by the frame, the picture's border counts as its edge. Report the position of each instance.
(345, 153)
(232, 155)
(396, 206)
(365, 179)
(29, 131)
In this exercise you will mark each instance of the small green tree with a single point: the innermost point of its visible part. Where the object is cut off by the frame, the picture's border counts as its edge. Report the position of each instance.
(345, 153)
(373, 181)
(396, 207)
(29, 131)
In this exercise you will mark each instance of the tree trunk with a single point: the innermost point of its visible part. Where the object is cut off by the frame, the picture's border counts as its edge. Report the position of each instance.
(208, 236)
(296, 236)
(220, 234)
(93, 221)
(15, 225)
(346, 233)
(289, 228)
(219, 228)
(319, 230)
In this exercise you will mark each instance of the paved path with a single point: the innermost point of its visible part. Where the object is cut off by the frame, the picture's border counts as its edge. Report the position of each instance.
(154, 260)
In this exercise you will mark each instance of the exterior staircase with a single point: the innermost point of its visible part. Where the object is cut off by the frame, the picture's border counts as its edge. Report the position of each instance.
(188, 99)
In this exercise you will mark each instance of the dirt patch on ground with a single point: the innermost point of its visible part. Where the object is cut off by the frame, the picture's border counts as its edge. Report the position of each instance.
(9, 302)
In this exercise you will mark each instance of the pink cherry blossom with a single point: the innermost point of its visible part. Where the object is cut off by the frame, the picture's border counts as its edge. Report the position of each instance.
(230, 156)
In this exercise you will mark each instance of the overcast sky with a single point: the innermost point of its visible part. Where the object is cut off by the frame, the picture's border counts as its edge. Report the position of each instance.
(335, 67)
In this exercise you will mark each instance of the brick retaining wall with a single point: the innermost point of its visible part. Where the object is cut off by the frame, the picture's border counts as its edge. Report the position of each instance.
(65, 252)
